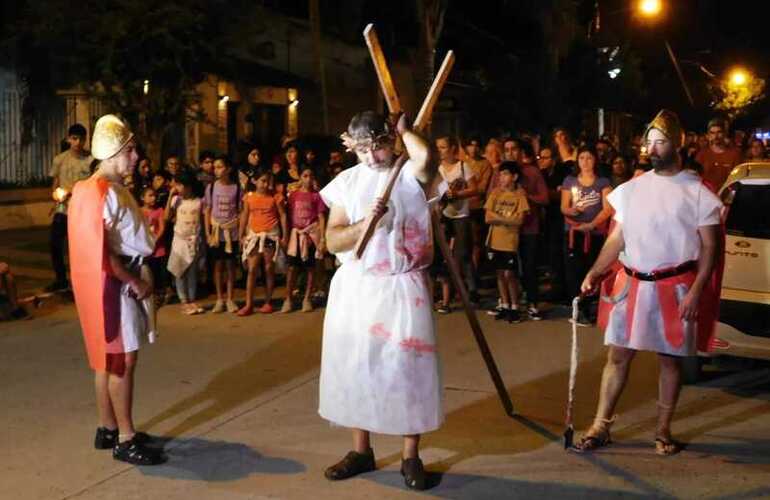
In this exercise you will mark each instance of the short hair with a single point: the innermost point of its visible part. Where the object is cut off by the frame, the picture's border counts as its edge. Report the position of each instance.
(717, 122)
(472, 138)
(185, 178)
(450, 139)
(510, 166)
(263, 171)
(587, 148)
(162, 173)
(77, 130)
(224, 159)
(206, 154)
(526, 149)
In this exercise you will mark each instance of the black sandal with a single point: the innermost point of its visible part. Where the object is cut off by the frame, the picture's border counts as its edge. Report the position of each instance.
(353, 464)
(135, 452)
(414, 473)
(106, 439)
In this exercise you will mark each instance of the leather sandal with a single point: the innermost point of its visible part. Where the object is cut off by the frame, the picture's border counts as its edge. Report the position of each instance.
(667, 446)
(598, 436)
(353, 464)
(136, 453)
(414, 473)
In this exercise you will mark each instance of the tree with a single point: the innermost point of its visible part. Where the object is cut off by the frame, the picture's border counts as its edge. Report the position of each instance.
(143, 58)
(735, 98)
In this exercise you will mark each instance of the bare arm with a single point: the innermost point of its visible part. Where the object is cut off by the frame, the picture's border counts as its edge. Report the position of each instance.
(284, 224)
(140, 287)
(341, 235)
(244, 219)
(322, 226)
(419, 153)
(609, 254)
(469, 192)
(566, 201)
(605, 213)
(688, 308)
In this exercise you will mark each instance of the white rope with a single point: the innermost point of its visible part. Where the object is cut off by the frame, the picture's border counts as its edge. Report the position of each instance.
(573, 361)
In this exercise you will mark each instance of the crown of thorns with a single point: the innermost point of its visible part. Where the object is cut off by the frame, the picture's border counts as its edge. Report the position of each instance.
(366, 140)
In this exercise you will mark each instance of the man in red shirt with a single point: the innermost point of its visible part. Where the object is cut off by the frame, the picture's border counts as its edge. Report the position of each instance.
(718, 159)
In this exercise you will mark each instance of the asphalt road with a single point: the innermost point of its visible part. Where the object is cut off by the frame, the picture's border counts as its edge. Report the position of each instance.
(237, 399)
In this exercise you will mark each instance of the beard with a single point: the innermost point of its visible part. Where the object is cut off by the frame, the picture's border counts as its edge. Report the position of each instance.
(662, 163)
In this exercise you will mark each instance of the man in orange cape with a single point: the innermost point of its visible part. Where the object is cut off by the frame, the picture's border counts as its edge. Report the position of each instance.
(108, 240)
(663, 295)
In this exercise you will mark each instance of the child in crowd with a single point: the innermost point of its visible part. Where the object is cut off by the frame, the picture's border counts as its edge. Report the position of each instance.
(264, 219)
(156, 220)
(307, 236)
(185, 210)
(504, 212)
(9, 295)
(223, 204)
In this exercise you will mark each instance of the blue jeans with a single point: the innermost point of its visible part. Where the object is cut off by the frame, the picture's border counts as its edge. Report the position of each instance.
(187, 284)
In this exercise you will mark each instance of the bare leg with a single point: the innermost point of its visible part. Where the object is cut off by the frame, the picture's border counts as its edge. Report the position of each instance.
(411, 446)
(291, 277)
(309, 284)
(502, 288)
(253, 262)
(669, 386)
(269, 275)
(122, 397)
(230, 278)
(361, 441)
(614, 379)
(218, 278)
(513, 288)
(103, 403)
(445, 292)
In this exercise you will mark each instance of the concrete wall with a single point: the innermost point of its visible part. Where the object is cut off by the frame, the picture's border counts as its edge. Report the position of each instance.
(21, 208)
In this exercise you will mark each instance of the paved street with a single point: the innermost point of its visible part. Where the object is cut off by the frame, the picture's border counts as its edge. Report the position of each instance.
(238, 398)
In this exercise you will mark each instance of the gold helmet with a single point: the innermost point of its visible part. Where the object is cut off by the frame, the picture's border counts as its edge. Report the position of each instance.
(111, 134)
(668, 123)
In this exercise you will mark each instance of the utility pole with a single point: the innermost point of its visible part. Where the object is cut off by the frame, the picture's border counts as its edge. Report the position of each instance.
(315, 23)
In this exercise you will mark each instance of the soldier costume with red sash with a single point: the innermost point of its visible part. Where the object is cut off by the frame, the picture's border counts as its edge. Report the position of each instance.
(639, 307)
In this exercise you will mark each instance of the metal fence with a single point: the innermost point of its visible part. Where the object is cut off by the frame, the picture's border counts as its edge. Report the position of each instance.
(22, 164)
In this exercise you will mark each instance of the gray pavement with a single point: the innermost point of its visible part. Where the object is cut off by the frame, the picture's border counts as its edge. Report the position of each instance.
(238, 398)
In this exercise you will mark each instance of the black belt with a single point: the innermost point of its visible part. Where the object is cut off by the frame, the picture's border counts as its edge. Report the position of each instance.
(663, 273)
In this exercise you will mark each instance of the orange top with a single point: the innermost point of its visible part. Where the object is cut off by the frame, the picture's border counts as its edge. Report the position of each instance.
(96, 290)
(263, 211)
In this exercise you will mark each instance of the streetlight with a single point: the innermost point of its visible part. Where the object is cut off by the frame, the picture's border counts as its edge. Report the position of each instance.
(738, 77)
(650, 8)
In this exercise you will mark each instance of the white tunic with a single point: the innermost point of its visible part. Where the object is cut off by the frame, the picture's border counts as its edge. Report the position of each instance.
(379, 364)
(660, 216)
(129, 235)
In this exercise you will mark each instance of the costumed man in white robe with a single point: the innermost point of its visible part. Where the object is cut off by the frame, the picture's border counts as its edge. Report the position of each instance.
(667, 226)
(379, 365)
(109, 237)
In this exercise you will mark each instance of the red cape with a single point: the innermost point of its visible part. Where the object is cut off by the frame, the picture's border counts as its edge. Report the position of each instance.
(96, 290)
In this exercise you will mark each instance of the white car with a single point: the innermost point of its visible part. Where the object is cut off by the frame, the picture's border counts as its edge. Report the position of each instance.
(743, 329)
(744, 314)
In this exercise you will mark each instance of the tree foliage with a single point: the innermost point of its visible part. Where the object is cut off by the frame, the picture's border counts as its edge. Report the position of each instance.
(112, 48)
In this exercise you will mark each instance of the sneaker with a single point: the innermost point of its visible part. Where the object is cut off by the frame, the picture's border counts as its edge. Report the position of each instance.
(513, 316)
(135, 452)
(307, 306)
(266, 308)
(105, 438)
(494, 312)
(353, 464)
(501, 313)
(443, 309)
(534, 313)
(414, 473)
(245, 311)
(232, 307)
(219, 307)
(286, 307)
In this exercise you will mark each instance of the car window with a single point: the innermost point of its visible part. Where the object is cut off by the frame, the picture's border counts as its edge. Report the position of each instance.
(749, 213)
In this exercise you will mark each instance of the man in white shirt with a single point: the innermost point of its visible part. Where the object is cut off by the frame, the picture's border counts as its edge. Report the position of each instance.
(666, 226)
